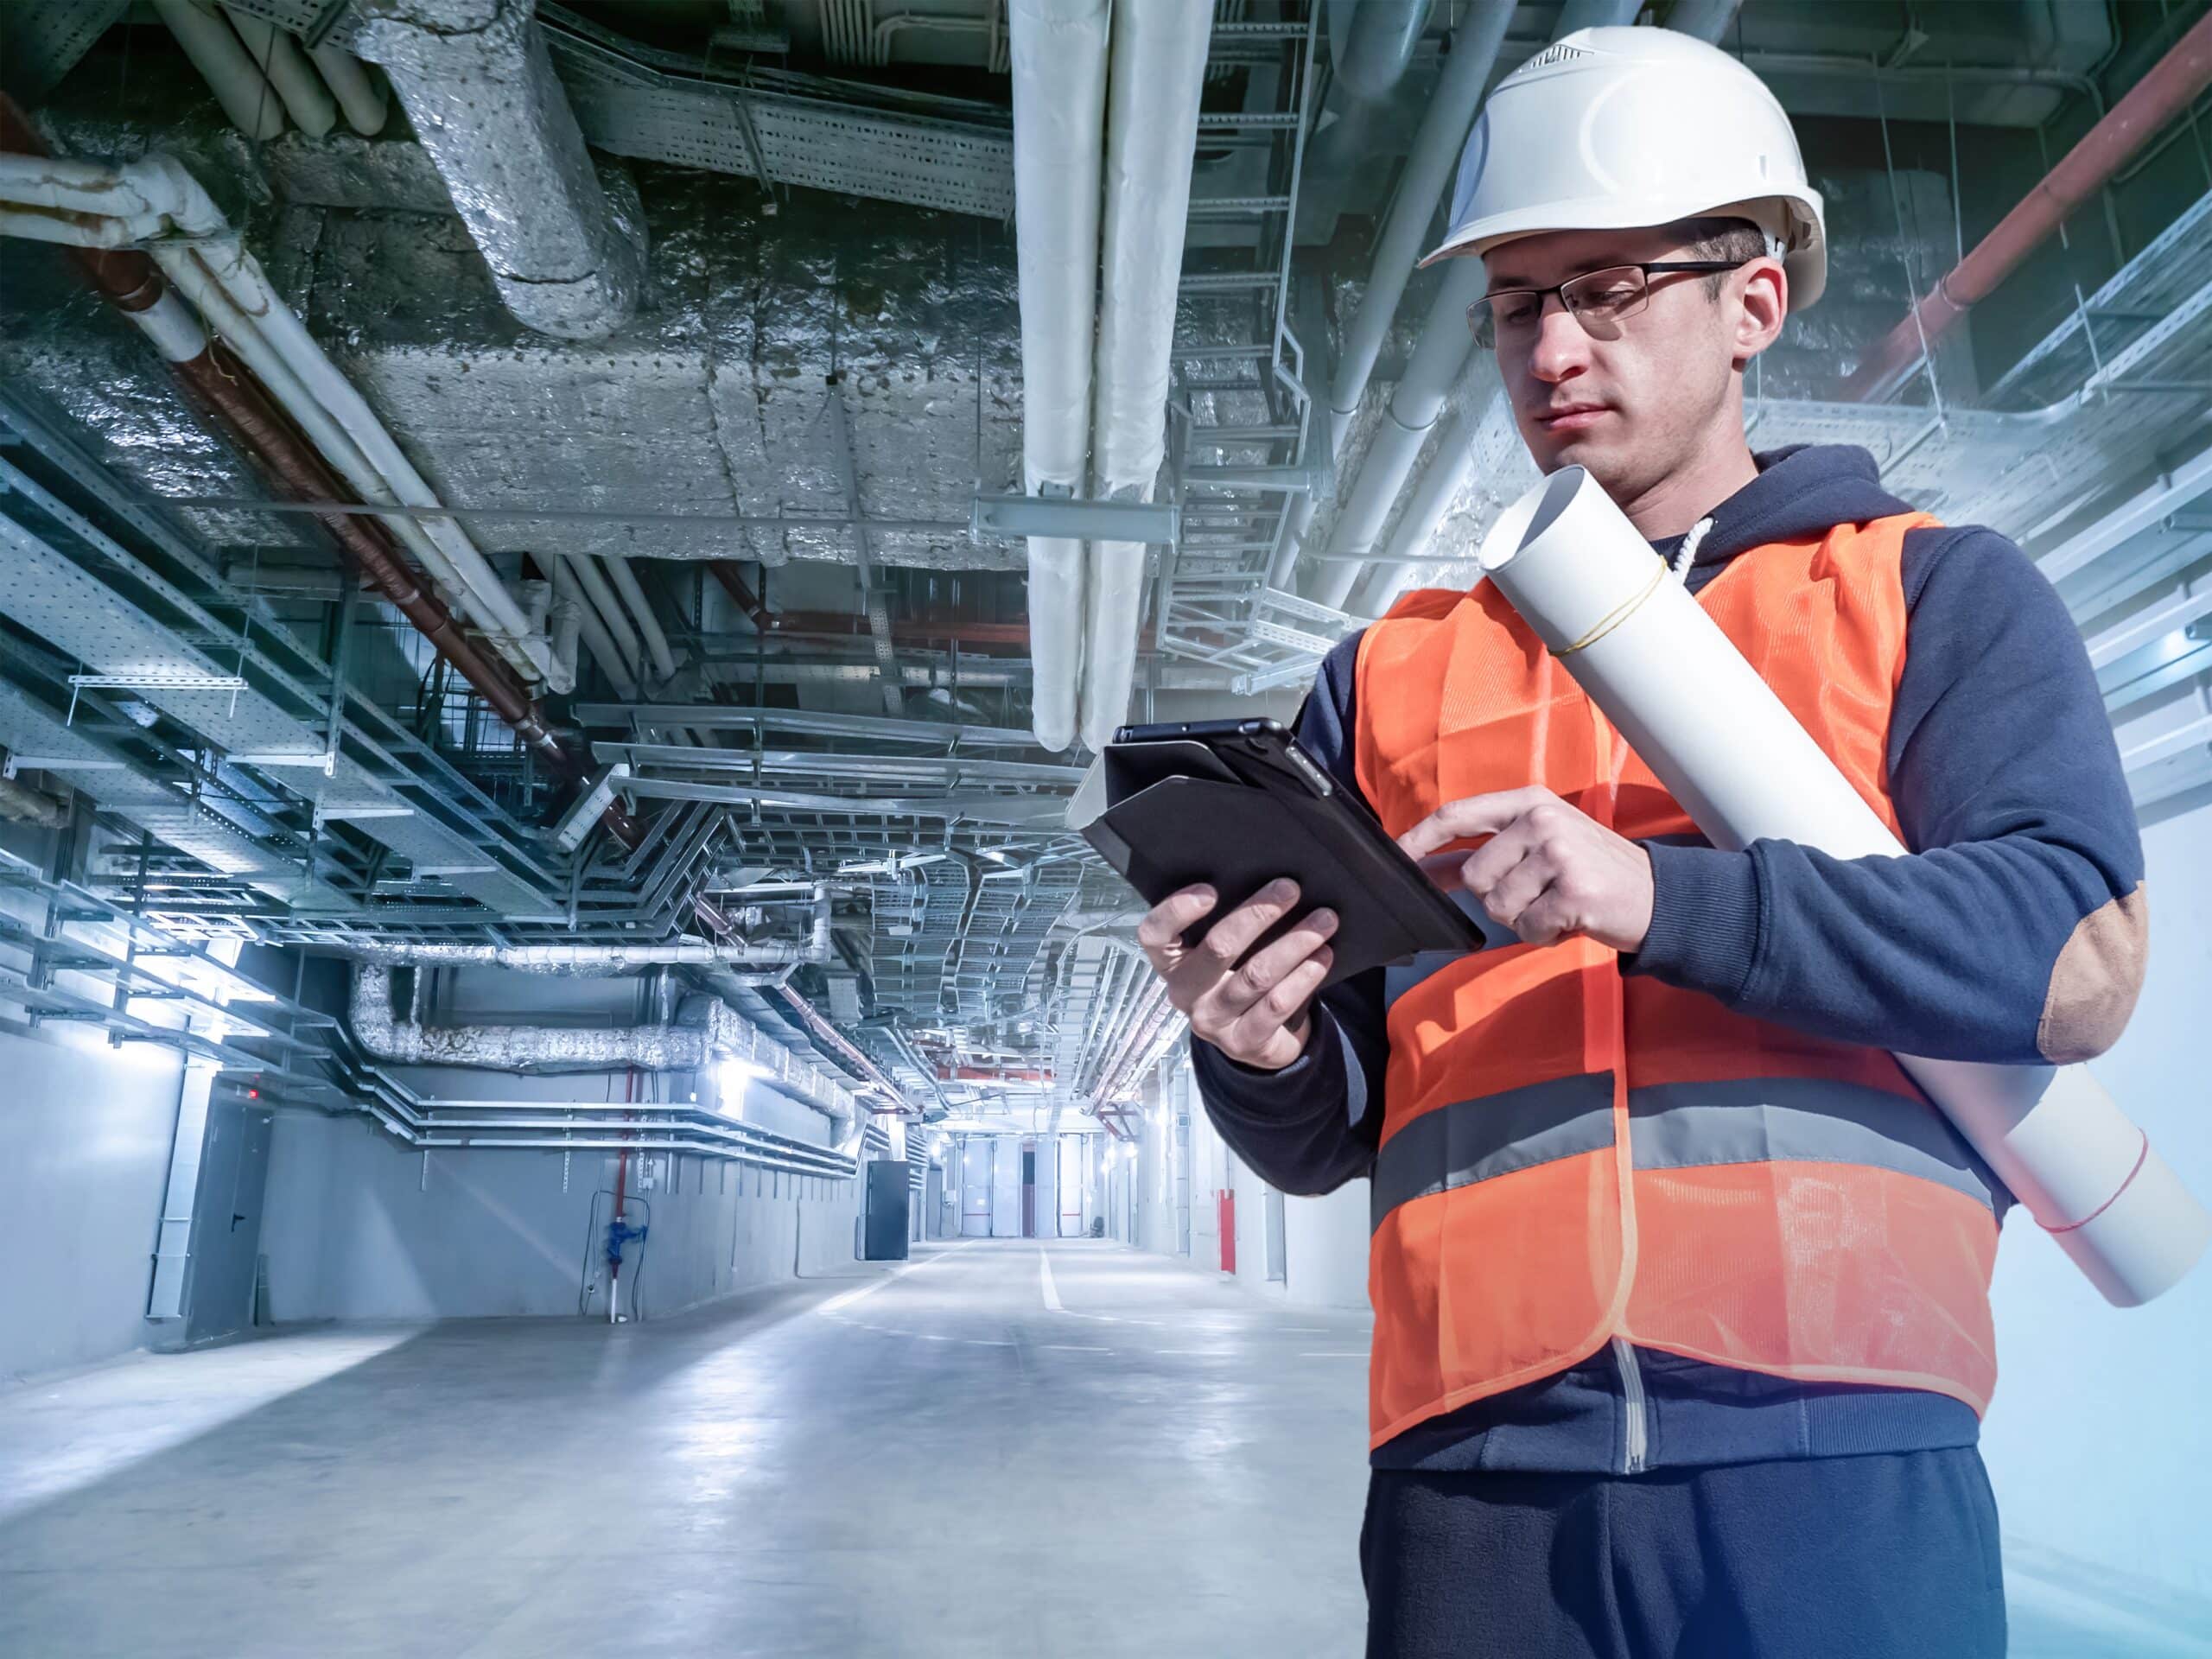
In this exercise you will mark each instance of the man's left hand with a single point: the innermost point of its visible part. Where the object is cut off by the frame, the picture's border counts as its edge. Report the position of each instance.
(1549, 871)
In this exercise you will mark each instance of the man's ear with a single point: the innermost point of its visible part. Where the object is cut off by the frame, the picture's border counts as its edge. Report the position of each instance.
(1763, 304)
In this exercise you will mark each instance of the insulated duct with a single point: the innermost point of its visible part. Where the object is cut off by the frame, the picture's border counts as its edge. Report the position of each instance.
(477, 82)
(93, 205)
(583, 961)
(723, 1034)
(1158, 75)
(1059, 141)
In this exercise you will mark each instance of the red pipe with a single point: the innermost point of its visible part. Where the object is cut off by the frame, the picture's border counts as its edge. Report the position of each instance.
(2168, 90)
(840, 623)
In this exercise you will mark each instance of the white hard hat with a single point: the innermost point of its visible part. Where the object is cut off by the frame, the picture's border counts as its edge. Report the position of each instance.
(1615, 129)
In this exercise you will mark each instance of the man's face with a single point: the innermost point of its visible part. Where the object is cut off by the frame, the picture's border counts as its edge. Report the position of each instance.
(1633, 407)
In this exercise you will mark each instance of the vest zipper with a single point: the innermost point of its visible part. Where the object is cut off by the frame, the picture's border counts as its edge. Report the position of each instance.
(1635, 1428)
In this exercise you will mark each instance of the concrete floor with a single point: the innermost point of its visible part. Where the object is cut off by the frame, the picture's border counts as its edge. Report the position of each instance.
(979, 1455)
(997, 1450)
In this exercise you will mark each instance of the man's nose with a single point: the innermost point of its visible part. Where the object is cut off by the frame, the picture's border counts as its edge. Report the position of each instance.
(1562, 347)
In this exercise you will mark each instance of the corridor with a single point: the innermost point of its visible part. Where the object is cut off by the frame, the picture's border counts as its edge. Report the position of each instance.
(994, 1449)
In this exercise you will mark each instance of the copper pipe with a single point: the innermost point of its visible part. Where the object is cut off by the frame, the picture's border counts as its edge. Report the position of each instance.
(2168, 90)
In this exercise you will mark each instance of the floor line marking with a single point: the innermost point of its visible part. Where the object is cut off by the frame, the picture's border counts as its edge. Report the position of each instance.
(845, 1299)
(1045, 1277)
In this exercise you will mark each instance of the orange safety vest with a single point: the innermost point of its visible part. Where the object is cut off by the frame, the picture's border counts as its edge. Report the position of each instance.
(1570, 1155)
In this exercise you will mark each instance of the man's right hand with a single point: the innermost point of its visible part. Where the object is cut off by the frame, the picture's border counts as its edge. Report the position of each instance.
(1257, 1011)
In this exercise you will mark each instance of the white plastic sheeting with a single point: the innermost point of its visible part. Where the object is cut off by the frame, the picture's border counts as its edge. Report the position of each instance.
(1657, 666)
(1059, 141)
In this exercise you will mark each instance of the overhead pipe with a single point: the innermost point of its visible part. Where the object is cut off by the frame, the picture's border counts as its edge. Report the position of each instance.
(616, 621)
(721, 1034)
(306, 94)
(639, 1126)
(477, 82)
(632, 595)
(105, 207)
(1421, 184)
(1059, 58)
(581, 961)
(1158, 75)
(1438, 358)
(1371, 46)
(731, 575)
(235, 397)
(1431, 498)
(1703, 20)
(2166, 91)
(27, 805)
(222, 62)
(592, 629)
(361, 97)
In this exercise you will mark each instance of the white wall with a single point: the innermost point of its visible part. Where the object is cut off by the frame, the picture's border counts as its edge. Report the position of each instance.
(354, 1231)
(2099, 1440)
(84, 1133)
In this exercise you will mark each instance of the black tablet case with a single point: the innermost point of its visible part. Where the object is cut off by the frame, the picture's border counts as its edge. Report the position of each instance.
(1237, 837)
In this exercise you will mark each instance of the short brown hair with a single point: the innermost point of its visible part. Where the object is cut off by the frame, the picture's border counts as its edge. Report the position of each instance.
(1721, 238)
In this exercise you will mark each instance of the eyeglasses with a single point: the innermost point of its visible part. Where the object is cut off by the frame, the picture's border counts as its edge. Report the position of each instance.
(1599, 300)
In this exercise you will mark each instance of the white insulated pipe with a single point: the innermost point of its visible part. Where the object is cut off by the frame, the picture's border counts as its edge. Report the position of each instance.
(1058, 50)
(153, 196)
(1659, 667)
(221, 58)
(1426, 176)
(1157, 77)
(618, 625)
(596, 640)
(632, 594)
(1438, 356)
(361, 97)
(306, 94)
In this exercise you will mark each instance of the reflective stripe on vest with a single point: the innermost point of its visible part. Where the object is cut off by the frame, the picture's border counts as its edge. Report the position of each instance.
(1570, 1154)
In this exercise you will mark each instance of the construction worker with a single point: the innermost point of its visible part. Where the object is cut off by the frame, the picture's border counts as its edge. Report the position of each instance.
(1682, 1334)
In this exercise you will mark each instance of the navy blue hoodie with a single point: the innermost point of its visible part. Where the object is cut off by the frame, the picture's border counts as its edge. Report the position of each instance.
(2015, 936)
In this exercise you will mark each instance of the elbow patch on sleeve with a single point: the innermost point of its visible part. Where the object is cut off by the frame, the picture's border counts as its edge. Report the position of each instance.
(2094, 982)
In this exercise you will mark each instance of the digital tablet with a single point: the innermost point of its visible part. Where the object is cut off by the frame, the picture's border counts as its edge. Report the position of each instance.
(1237, 804)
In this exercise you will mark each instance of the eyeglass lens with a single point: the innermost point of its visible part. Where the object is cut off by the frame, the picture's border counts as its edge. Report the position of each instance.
(1600, 300)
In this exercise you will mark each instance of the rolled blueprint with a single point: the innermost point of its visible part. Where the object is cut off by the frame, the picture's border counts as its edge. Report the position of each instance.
(1657, 666)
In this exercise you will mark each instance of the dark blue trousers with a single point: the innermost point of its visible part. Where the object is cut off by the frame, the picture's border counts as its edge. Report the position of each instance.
(1888, 1556)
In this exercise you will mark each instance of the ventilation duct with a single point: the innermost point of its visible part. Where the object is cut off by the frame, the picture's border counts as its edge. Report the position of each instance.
(478, 84)
(722, 1033)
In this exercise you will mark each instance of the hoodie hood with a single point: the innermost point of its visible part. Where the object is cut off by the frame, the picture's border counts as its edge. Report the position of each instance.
(1803, 491)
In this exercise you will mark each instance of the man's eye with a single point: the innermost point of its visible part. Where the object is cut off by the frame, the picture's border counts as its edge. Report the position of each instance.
(1609, 296)
(1517, 310)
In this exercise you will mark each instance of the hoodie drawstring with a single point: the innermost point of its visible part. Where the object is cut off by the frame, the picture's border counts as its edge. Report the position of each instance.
(1686, 554)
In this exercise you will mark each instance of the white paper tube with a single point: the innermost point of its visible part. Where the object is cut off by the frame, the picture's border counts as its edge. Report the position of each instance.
(1658, 666)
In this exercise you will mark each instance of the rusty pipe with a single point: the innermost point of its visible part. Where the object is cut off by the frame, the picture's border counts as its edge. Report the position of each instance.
(2171, 85)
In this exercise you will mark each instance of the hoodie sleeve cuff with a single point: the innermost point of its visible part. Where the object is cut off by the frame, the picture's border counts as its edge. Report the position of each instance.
(1312, 1083)
(1705, 919)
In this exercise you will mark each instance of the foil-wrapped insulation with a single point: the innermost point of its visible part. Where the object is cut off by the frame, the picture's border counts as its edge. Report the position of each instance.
(589, 961)
(708, 1032)
(476, 81)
